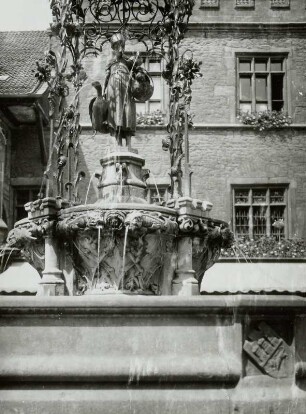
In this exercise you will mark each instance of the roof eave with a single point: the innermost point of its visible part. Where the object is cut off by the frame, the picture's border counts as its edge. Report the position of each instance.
(36, 92)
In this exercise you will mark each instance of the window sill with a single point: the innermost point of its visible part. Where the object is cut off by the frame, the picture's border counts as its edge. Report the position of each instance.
(200, 126)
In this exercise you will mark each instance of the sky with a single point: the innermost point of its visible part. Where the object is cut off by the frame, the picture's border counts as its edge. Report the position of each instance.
(24, 15)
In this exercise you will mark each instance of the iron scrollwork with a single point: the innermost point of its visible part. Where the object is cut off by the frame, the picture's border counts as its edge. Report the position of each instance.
(83, 28)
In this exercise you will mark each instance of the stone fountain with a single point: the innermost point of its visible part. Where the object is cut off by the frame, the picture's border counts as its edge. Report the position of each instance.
(128, 333)
(121, 244)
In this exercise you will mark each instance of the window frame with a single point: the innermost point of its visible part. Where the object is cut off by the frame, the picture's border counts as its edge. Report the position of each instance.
(267, 204)
(163, 190)
(284, 56)
(164, 100)
(33, 191)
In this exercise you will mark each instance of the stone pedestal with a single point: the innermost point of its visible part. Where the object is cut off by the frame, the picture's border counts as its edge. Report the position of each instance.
(144, 355)
(122, 178)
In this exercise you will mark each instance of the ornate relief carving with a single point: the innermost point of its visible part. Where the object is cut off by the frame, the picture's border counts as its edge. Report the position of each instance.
(101, 259)
(103, 266)
(206, 246)
(28, 237)
(139, 221)
(268, 350)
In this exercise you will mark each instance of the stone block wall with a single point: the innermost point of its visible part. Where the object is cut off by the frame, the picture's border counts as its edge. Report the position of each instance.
(222, 151)
(270, 11)
(130, 354)
(220, 157)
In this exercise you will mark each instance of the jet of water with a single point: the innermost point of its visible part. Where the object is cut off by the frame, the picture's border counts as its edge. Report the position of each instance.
(157, 190)
(89, 184)
(121, 281)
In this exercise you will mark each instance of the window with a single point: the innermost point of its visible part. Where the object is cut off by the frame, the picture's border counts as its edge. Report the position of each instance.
(278, 4)
(260, 211)
(157, 194)
(261, 83)
(245, 3)
(209, 4)
(22, 196)
(153, 66)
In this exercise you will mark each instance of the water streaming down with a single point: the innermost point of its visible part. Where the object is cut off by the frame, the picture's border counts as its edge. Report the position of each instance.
(156, 187)
(239, 252)
(121, 280)
(88, 188)
(98, 253)
(120, 188)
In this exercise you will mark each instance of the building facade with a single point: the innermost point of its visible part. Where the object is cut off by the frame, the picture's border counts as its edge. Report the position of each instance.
(253, 57)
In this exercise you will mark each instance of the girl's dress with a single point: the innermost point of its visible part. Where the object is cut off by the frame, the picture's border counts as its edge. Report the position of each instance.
(122, 108)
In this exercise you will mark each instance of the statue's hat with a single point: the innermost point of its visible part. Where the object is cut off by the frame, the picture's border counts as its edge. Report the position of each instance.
(117, 38)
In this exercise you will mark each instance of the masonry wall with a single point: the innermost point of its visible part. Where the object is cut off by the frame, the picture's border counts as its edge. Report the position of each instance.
(259, 11)
(222, 151)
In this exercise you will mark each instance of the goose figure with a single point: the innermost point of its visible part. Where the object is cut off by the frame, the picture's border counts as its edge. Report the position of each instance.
(98, 109)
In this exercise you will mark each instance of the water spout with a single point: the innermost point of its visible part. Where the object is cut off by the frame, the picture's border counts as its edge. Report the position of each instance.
(121, 280)
(89, 184)
(97, 273)
(157, 190)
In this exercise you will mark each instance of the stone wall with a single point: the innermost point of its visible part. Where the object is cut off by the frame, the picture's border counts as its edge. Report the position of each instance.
(222, 152)
(129, 354)
(257, 11)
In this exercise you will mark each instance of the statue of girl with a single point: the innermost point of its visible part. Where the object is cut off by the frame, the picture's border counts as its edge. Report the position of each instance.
(125, 81)
(121, 117)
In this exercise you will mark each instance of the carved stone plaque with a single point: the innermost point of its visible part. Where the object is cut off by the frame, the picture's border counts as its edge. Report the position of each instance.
(268, 350)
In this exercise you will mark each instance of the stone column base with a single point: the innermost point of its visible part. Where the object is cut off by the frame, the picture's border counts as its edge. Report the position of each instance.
(185, 284)
(51, 283)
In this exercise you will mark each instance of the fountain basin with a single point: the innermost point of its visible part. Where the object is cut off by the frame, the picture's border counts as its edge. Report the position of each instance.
(135, 248)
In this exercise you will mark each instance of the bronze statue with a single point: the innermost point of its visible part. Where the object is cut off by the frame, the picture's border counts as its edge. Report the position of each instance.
(114, 108)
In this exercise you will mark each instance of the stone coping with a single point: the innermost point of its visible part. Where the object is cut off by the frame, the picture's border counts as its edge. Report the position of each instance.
(250, 260)
(144, 305)
(102, 205)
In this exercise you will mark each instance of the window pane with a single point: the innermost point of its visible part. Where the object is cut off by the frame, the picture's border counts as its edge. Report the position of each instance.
(277, 221)
(261, 107)
(154, 65)
(259, 196)
(260, 65)
(242, 221)
(241, 196)
(244, 65)
(157, 197)
(22, 196)
(277, 87)
(157, 87)
(276, 65)
(20, 213)
(245, 89)
(154, 106)
(259, 221)
(277, 105)
(261, 88)
(245, 107)
(140, 108)
(277, 195)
